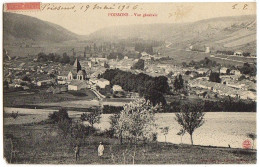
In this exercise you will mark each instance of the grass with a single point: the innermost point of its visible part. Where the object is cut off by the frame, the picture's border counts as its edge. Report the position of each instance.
(180, 56)
(20, 98)
(43, 143)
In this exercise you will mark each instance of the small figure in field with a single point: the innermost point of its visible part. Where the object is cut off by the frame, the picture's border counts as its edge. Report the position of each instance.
(77, 152)
(100, 149)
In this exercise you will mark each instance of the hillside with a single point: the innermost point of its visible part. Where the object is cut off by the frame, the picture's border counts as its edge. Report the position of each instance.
(225, 33)
(21, 28)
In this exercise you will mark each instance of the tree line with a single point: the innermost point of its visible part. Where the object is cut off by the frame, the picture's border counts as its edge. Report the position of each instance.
(141, 47)
(248, 69)
(64, 58)
(227, 104)
(151, 88)
(205, 63)
(228, 52)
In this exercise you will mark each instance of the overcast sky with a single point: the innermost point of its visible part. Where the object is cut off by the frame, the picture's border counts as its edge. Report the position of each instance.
(83, 23)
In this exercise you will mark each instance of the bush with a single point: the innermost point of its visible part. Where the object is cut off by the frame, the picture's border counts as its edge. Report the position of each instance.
(60, 115)
(215, 77)
(81, 131)
(108, 133)
(14, 115)
(65, 127)
(107, 109)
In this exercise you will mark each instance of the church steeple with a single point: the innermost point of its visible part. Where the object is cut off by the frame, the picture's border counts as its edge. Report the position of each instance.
(77, 65)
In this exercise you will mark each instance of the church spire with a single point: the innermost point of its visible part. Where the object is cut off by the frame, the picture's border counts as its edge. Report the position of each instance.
(77, 65)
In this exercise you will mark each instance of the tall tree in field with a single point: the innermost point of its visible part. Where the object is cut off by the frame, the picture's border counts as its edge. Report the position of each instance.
(190, 118)
(136, 121)
(181, 133)
(165, 131)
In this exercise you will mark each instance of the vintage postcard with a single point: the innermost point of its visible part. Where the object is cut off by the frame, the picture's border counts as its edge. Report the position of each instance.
(129, 83)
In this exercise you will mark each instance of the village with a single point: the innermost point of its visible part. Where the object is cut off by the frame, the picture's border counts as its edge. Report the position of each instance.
(83, 74)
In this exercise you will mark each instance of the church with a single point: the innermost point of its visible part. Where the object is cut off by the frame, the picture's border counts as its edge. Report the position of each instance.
(77, 73)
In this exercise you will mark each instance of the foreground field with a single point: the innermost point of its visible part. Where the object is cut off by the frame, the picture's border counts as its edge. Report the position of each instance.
(37, 96)
(44, 143)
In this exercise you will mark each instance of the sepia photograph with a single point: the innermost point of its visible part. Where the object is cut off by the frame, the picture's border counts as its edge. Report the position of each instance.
(129, 83)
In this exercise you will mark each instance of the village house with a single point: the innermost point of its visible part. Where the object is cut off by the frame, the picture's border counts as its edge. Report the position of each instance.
(207, 50)
(117, 88)
(235, 72)
(223, 70)
(202, 71)
(78, 85)
(102, 83)
(63, 75)
(238, 53)
(145, 56)
(44, 82)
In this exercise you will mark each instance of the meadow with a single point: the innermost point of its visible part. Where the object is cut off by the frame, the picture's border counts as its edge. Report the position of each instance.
(39, 96)
(43, 143)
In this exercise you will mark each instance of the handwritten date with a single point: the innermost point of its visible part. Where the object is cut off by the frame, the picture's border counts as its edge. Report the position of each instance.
(88, 7)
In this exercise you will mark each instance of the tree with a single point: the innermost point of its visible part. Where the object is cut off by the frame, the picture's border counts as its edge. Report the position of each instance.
(113, 120)
(60, 115)
(136, 121)
(79, 130)
(5, 83)
(214, 77)
(190, 117)
(106, 65)
(52, 76)
(249, 69)
(139, 65)
(181, 133)
(26, 78)
(14, 115)
(170, 74)
(165, 131)
(65, 58)
(178, 83)
(65, 127)
(228, 71)
(253, 137)
(149, 49)
(91, 118)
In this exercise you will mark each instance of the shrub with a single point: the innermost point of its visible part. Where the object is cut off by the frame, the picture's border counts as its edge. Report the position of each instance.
(60, 115)
(92, 118)
(107, 109)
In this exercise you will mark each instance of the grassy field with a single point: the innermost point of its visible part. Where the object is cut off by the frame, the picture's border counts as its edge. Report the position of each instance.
(23, 98)
(44, 144)
(180, 56)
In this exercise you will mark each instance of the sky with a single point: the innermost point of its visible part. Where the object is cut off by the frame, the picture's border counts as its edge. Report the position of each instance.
(85, 18)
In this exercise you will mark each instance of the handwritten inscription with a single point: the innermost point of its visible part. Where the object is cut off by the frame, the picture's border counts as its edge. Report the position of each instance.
(241, 6)
(88, 7)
